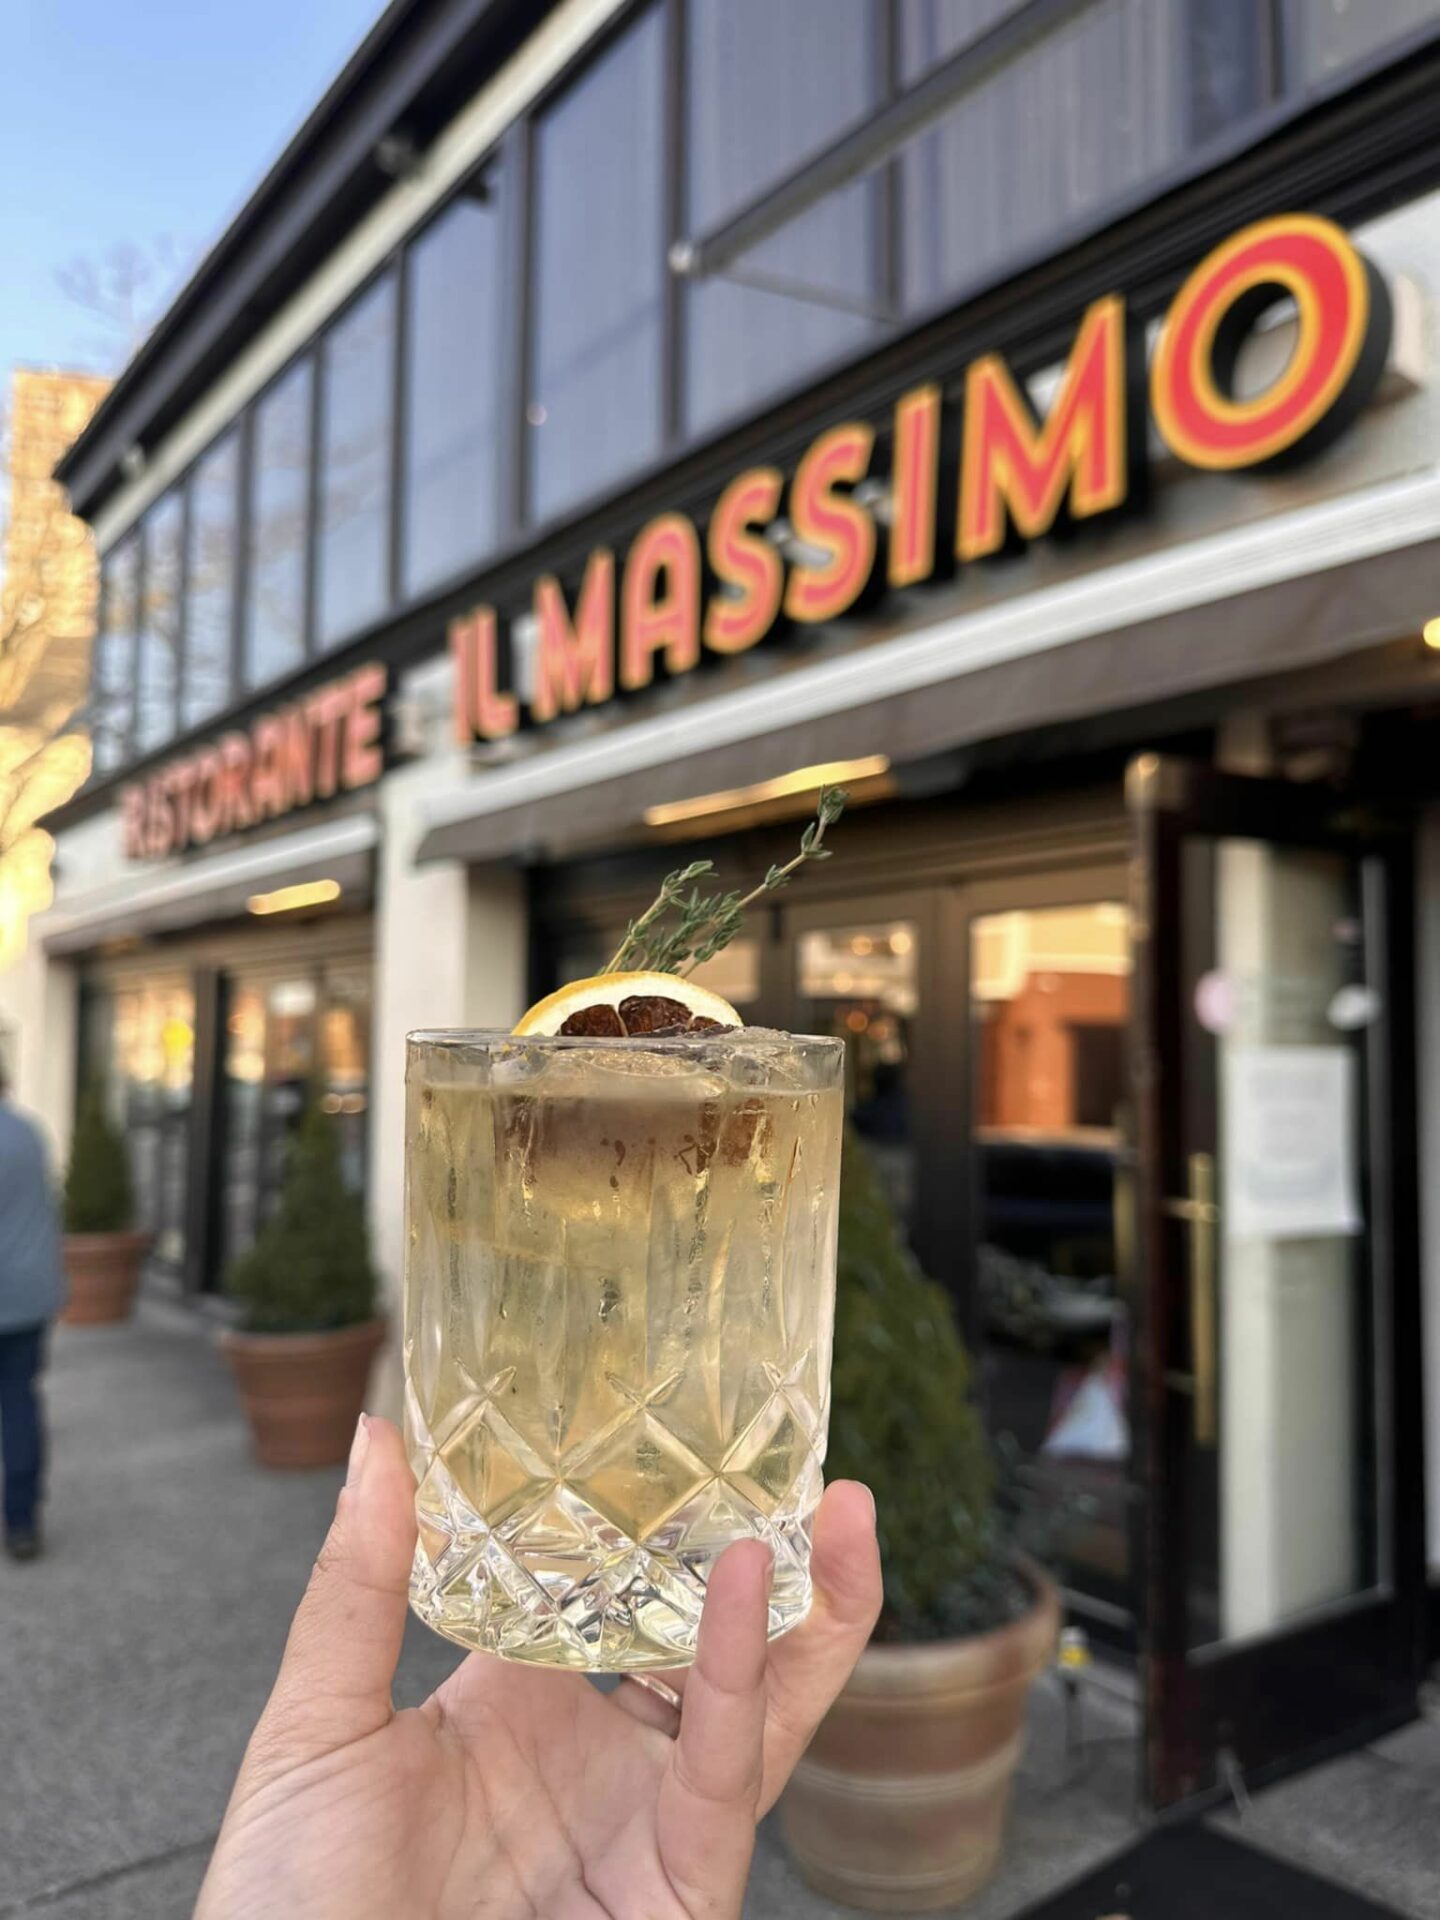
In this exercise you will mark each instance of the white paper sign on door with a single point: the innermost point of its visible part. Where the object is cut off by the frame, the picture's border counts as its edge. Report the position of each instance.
(1288, 1124)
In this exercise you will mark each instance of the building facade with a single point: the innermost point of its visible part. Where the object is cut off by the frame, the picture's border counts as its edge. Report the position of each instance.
(610, 420)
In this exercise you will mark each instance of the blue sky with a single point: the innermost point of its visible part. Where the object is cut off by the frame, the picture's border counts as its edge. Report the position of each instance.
(141, 121)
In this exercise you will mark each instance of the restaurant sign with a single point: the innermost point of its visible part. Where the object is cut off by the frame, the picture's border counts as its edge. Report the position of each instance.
(329, 742)
(937, 486)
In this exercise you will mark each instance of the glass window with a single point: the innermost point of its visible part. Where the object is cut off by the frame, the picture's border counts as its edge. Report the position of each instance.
(862, 982)
(356, 411)
(1061, 131)
(452, 391)
(148, 1070)
(210, 582)
(594, 406)
(344, 1075)
(112, 680)
(1330, 35)
(1049, 1002)
(931, 30)
(1227, 61)
(279, 512)
(286, 1038)
(158, 674)
(769, 86)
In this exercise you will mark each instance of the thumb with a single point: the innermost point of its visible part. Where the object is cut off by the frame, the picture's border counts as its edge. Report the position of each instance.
(334, 1682)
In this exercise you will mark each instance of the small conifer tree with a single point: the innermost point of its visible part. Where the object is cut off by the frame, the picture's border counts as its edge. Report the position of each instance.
(903, 1421)
(99, 1197)
(310, 1268)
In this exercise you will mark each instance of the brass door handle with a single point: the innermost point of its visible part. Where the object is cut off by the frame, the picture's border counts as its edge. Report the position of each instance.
(1198, 1208)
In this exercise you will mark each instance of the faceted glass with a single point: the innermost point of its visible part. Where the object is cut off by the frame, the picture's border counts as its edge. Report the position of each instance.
(619, 1293)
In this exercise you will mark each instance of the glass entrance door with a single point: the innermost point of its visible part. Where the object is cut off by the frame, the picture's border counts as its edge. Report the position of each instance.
(1049, 992)
(1278, 1358)
(297, 1034)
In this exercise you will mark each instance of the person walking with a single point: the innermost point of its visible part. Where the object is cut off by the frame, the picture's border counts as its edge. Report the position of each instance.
(32, 1291)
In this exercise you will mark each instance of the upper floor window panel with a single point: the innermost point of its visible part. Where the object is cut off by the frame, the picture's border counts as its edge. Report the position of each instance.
(210, 582)
(112, 679)
(1066, 129)
(1324, 37)
(157, 678)
(768, 87)
(356, 414)
(452, 386)
(594, 409)
(279, 523)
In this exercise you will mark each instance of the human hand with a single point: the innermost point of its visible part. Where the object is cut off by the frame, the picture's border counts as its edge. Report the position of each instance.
(521, 1790)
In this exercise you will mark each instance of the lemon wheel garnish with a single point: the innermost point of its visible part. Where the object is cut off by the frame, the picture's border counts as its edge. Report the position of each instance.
(616, 1005)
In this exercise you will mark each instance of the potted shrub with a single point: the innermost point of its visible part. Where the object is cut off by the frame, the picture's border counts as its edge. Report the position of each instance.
(900, 1801)
(102, 1250)
(309, 1330)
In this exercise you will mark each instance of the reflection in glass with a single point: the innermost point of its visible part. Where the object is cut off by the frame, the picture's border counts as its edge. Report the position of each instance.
(452, 390)
(244, 1075)
(931, 30)
(1084, 114)
(1227, 59)
(1327, 39)
(158, 673)
(861, 982)
(279, 514)
(112, 681)
(344, 1077)
(1282, 1475)
(287, 1039)
(1050, 996)
(355, 411)
(594, 407)
(768, 86)
(149, 1073)
(210, 582)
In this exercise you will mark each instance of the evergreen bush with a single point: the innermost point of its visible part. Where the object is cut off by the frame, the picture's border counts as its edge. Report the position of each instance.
(310, 1268)
(99, 1197)
(902, 1420)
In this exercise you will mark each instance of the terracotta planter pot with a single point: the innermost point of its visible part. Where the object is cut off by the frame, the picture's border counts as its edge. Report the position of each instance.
(103, 1271)
(303, 1392)
(899, 1804)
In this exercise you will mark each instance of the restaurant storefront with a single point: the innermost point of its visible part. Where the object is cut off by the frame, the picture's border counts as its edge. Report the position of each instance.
(600, 481)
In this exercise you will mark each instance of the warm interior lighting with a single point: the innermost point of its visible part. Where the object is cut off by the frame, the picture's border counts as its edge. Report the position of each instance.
(833, 773)
(1430, 633)
(309, 893)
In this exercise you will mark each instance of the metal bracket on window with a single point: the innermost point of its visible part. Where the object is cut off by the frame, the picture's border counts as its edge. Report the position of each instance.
(682, 257)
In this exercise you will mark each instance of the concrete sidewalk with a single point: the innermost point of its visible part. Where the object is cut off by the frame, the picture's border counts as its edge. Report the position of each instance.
(135, 1657)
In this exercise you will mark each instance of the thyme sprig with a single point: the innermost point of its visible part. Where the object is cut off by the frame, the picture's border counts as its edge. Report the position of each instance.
(706, 924)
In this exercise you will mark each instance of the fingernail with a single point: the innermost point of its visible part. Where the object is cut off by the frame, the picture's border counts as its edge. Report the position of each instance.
(871, 1498)
(359, 1446)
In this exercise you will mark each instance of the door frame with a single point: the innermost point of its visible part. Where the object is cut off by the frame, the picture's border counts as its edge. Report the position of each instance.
(1368, 1646)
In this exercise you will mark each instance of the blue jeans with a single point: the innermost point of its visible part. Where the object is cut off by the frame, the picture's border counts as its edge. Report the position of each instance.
(22, 1440)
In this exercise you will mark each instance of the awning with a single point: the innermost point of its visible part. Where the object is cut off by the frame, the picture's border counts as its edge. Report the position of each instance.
(191, 893)
(1291, 592)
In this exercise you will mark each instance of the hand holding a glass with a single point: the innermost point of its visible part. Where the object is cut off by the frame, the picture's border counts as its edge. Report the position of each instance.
(619, 1297)
(515, 1790)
